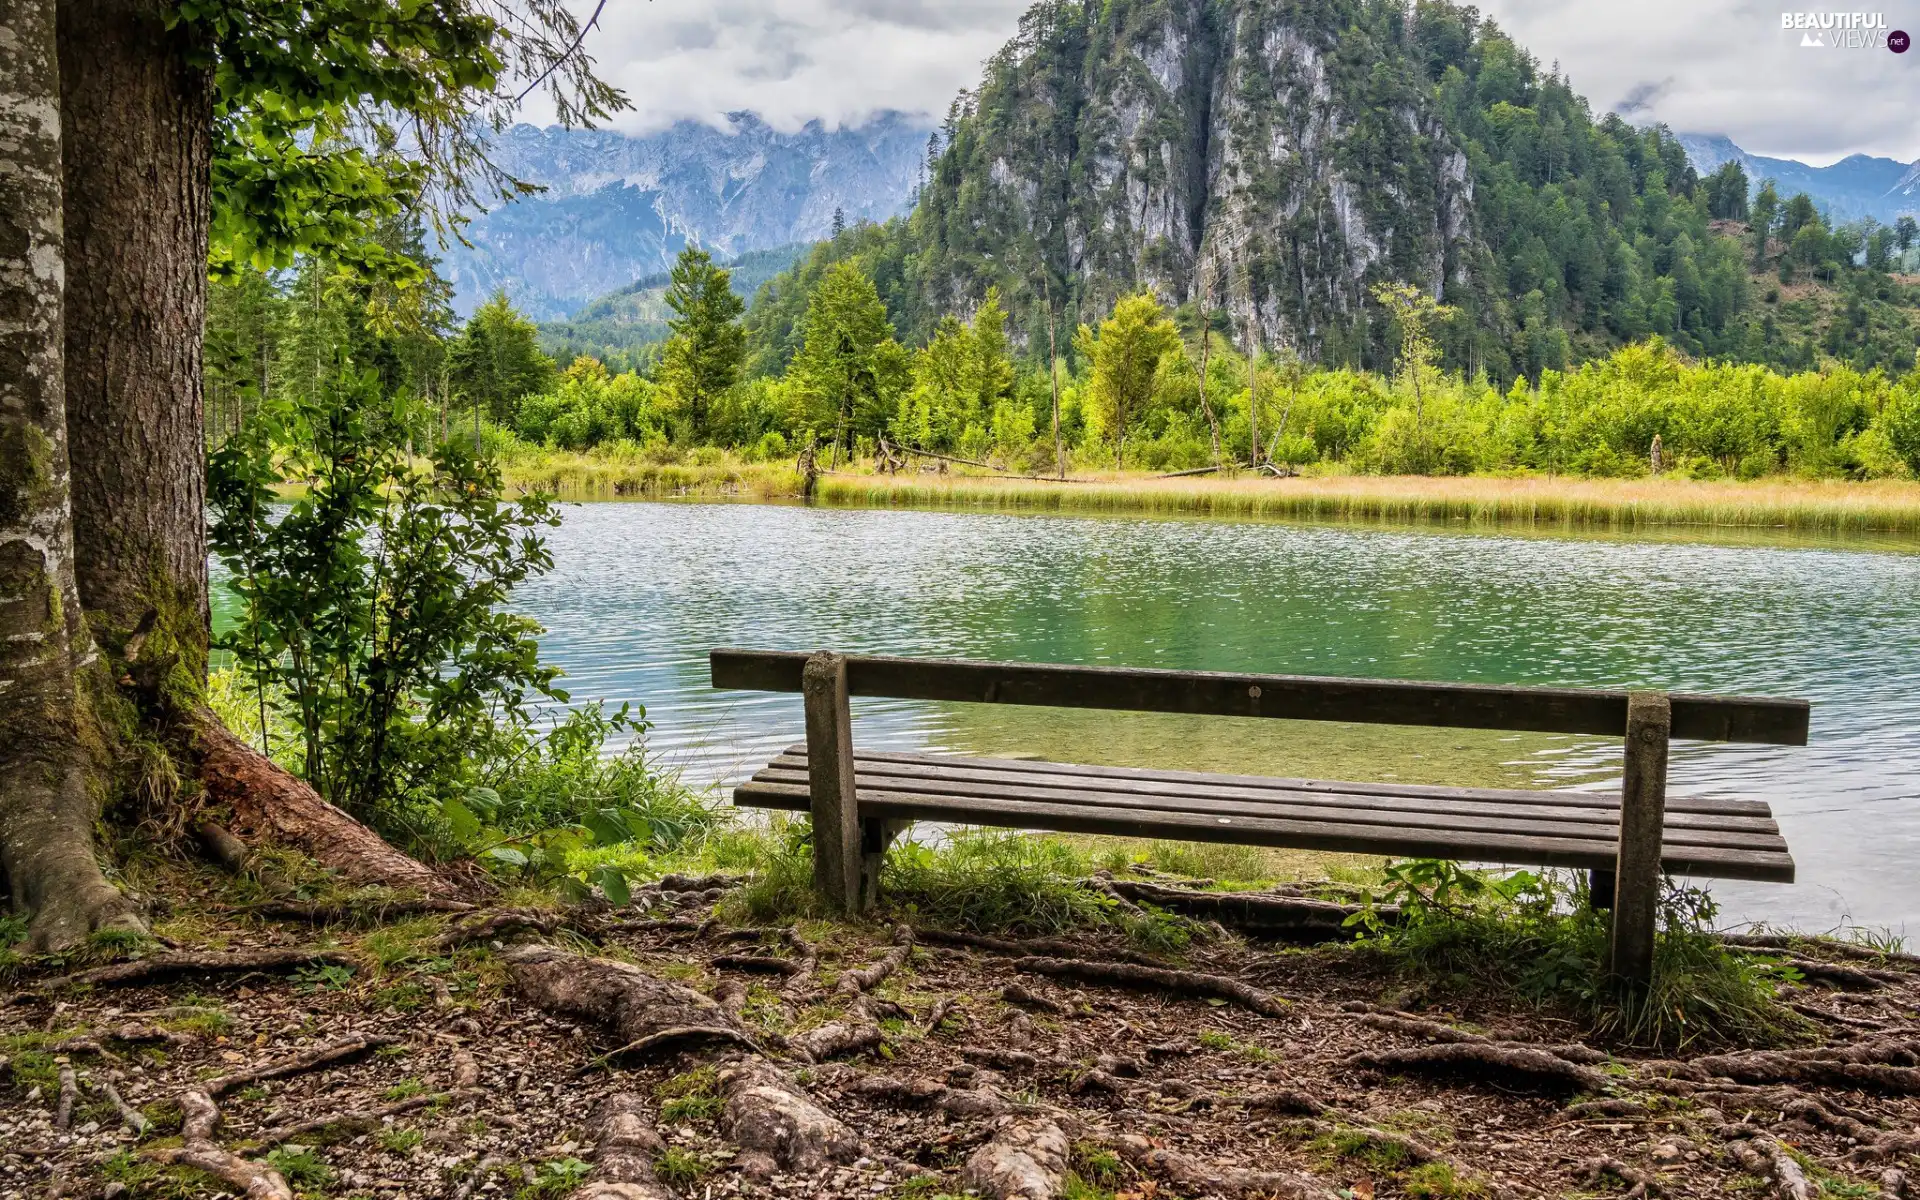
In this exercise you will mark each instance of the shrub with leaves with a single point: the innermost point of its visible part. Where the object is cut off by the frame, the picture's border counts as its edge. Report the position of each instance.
(374, 600)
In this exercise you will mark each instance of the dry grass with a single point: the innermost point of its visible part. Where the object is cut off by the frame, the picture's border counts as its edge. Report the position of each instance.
(1798, 505)
(1814, 506)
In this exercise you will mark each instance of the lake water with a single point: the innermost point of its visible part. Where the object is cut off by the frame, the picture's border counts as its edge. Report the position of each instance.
(641, 592)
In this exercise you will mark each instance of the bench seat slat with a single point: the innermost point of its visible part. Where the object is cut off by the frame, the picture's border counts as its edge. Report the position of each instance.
(1575, 852)
(1556, 799)
(1408, 813)
(961, 776)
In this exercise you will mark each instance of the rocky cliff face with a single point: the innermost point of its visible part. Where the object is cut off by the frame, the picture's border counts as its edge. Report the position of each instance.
(619, 208)
(1279, 157)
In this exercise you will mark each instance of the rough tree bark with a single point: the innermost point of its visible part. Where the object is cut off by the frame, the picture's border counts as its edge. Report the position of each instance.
(46, 806)
(138, 116)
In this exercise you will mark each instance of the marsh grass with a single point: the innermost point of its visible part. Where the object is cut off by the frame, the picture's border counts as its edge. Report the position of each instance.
(1811, 506)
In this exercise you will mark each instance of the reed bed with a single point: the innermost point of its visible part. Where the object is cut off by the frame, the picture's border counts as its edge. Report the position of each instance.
(1797, 505)
(1802, 506)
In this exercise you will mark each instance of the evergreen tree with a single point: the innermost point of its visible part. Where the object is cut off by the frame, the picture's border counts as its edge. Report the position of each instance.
(1905, 229)
(701, 361)
(498, 360)
(1766, 207)
(1125, 355)
(1727, 192)
(849, 369)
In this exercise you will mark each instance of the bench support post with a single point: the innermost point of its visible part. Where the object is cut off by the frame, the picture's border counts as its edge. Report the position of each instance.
(1643, 809)
(836, 816)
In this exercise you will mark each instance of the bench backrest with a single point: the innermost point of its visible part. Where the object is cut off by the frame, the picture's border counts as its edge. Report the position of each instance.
(1289, 697)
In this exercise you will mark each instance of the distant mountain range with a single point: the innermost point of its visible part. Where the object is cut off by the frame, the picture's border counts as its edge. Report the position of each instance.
(619, 208)
(1857, 186)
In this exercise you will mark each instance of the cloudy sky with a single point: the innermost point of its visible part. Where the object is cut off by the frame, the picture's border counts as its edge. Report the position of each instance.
(1707, 66)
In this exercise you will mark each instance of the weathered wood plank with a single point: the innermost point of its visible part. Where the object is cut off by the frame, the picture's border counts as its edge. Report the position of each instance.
(1289, 697)
(1688, 804)
(829, 785)
(960, 775)
(1691, 804)
(1492, 818)
(1636, 897)
(1577, 853)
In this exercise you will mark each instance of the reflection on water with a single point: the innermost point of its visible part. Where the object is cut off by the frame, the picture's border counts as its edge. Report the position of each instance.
(642, 591)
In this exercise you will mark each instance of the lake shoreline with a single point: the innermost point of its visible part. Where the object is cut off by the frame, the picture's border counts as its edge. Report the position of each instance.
(1616, 505)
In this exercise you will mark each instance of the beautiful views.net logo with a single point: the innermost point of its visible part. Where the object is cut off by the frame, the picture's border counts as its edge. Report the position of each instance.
(1845, 31)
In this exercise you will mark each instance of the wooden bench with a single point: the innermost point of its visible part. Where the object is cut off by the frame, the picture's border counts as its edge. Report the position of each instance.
(1628, 840)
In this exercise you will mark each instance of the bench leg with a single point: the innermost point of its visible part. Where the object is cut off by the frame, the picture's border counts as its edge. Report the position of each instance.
(875, 836)
(836, 818)
(1643, 807)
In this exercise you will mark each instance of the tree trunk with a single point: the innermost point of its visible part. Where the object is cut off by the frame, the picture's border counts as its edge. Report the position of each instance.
(138, 117)
(46, 806)
(139, 121)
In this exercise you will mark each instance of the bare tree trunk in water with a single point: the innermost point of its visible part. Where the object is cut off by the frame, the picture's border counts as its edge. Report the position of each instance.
(47, 808)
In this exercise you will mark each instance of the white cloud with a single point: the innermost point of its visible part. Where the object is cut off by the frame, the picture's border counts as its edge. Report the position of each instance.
(1704, 66)
(1726, 66)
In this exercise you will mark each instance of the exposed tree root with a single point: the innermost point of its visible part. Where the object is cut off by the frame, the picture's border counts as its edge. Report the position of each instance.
(161, 966)
(352, 912)
(256, 1181)
(1527, 1065)
(776, 1125)
(1594, 1171)
(1867, 1065)
(1026, 947)
(756, 964)
(1262, 914)
(357, 1121)
(69, 1092)
(941, 1010)
(646, 1013)
(836, 1039)
(929, 1093)
(627, 1148)
(1025, 1160)
(319, 1056)
(853, 983)
(268, 802)
(1853, 979)
(1014, 993)
(1795, 945)
(1193, 984)
(130, 1116)
(479, 925)
(1766, 1158)
(1189, 1175)
(1894, 1183)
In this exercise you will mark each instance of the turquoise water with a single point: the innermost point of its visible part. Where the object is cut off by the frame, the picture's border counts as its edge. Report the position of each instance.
(641, 592)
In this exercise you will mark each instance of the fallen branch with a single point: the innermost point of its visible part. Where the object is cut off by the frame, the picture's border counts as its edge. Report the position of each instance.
(69, 1092)
(1194, 984)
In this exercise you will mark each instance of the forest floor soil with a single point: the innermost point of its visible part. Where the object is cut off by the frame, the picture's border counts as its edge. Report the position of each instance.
(426, 1056)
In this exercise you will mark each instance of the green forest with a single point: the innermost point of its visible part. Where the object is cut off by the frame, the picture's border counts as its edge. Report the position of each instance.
(1128, 388)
